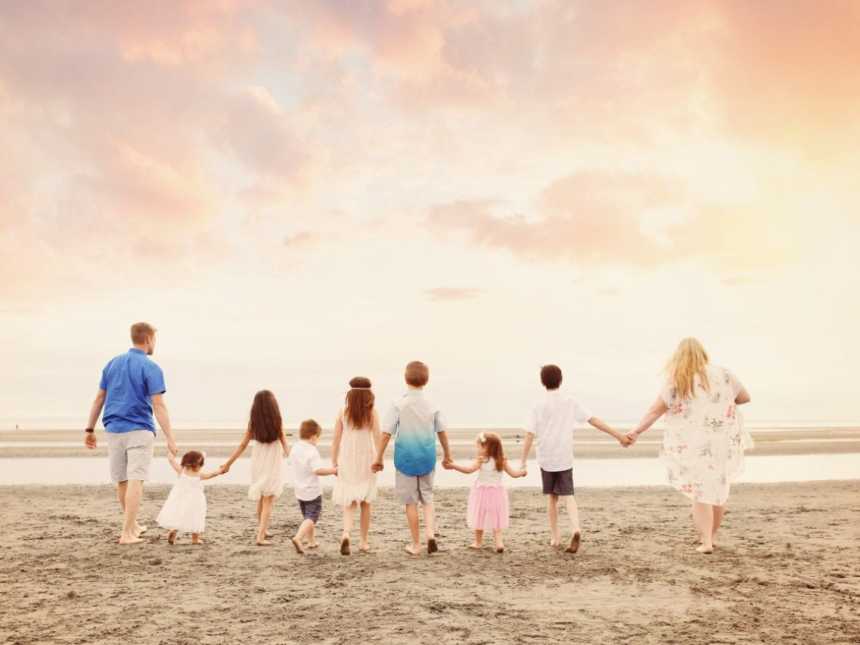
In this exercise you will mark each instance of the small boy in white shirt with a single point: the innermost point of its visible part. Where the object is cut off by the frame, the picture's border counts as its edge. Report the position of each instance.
(307, 469)
(552, 423)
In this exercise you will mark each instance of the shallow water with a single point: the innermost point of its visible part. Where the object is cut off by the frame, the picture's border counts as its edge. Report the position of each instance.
(587, 472)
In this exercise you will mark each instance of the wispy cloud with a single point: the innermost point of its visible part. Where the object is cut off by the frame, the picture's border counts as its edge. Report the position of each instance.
(449, 294)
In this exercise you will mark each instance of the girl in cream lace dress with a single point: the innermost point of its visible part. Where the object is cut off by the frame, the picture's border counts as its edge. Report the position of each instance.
(356, 439)
(704, 439)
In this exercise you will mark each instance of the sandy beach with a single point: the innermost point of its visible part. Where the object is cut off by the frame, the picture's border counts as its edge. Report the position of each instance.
(786, 571)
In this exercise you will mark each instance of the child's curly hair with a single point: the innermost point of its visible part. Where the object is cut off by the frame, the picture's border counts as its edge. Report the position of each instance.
(193, 460)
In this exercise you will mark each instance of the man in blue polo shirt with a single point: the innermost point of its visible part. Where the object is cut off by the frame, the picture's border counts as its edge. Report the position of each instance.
(131, 390)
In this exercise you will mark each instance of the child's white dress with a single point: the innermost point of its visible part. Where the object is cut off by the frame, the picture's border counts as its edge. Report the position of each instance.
(185, 507)
(355, 481)
(267, 478)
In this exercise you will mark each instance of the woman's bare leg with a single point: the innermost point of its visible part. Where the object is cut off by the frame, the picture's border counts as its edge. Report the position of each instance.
(703, 518)
(719, 512)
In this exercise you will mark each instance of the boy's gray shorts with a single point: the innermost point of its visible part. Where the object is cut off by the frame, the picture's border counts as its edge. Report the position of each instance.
(129, 454)
(414, 489)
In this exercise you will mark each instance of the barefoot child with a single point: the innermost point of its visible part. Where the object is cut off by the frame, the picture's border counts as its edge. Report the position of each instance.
(415, 424)
(353, 449)
(184, 511)
(488, 499)
(552, 423)
(307, 469)
(267, 458)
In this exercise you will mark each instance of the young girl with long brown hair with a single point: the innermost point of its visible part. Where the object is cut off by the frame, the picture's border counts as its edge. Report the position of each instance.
(356, 441)
(488, 508)
(267, 458)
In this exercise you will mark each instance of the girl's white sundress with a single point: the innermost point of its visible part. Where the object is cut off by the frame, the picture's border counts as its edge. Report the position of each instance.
(267, 476)
(704, 440)
(185, 507)
(355, 482)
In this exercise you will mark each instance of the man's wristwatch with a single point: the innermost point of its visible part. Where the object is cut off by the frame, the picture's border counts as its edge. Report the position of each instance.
(89, 430)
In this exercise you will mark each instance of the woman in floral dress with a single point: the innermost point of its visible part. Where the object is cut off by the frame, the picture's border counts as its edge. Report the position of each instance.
(704, 440)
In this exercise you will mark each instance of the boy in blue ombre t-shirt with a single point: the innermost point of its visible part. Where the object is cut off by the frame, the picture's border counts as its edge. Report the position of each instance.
(415, 424)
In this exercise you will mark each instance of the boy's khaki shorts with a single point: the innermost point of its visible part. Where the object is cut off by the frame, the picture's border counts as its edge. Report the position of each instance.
(129, 454)
(414, 489)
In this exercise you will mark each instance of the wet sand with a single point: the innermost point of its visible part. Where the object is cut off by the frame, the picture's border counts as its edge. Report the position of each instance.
(589, 443)
(787, 571)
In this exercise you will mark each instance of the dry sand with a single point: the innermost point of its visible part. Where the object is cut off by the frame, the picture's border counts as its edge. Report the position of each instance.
(787, 571)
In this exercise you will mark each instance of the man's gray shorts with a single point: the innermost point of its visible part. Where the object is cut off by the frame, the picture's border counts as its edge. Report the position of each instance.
(129, 454)
(414, 490)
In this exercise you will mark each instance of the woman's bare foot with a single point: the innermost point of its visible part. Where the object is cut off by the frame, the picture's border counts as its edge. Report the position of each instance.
(432, 547)
(705, 549)
(413, 549)
(575, 540)
(197, 540)
(298, 546)
(475, 546)
(171, 537)
(264, 543)
(129, 539)
(344, 545)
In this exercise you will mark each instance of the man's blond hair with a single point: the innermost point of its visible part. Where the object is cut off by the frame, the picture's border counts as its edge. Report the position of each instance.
(141, 332)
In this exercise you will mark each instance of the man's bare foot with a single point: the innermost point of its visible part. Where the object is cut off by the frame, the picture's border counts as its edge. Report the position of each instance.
(264, 543)
(298, 545)
(344, 546)
(573, 547)
(129, 539)
(413, 549)
(171, 537)
(475, 546)
(432, 547)
(705, 549)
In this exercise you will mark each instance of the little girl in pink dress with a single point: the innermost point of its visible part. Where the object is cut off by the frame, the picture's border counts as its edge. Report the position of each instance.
(488, 508)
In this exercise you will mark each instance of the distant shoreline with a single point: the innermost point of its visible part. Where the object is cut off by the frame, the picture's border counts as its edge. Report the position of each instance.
(588, 443)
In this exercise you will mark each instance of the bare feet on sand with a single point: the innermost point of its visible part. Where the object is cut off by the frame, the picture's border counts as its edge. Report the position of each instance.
(413, 549)
(298, 545)
(197, 540)
(140, 530)
(312, 545)
(344, 545)
(573, 547)
(171, 537)
(129, 539)
(707, 550)
(264, 543)
(364, 548)
(432, 547)
(475, 546)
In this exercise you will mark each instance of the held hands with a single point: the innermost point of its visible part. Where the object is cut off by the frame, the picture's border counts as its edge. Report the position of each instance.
(448, 463)
(377, 466)
(624, 440)
(224, 469)
(171, 446)
(631, 438)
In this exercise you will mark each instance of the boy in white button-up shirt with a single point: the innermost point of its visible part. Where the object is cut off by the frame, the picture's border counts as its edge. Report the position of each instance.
(552, 423)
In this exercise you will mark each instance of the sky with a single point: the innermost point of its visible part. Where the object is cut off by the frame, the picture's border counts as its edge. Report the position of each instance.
(295, 193)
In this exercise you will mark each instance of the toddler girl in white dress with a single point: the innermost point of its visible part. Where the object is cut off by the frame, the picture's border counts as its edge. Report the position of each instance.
(184, 511)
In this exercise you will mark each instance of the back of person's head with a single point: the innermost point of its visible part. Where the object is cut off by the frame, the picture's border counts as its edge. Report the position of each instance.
(359, 403)
(142, 332)
(689, 361)
(495, 451)
(193, 460)
(265, 423)
(417, 374)
(550, 376)
(309, 429)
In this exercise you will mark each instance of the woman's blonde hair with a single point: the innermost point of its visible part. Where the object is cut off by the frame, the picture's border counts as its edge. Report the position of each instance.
(688, 361)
